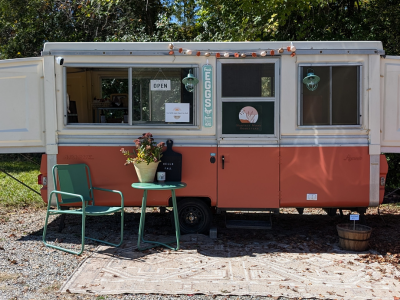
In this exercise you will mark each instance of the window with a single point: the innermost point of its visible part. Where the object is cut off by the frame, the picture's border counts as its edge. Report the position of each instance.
(248, 80)
(102, 95)
(248, 97)
(335, 101)
(149, 95)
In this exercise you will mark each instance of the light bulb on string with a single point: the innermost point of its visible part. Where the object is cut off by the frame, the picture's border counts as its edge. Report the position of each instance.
(292, 48)
(263, 53)
(189, 52)
(226, 54)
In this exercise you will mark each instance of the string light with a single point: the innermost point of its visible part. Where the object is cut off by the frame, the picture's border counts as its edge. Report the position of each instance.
(290, 49)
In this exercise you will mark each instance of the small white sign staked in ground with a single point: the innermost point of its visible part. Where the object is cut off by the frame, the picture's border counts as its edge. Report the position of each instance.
(354, 217)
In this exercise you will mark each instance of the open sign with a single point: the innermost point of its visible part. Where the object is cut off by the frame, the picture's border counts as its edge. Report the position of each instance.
(160, 85)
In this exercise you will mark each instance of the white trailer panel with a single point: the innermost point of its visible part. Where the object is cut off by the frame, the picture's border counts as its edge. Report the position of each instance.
(22, 112)
(390, 75)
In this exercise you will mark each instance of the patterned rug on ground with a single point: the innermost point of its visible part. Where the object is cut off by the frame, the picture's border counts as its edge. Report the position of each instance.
(215, 267)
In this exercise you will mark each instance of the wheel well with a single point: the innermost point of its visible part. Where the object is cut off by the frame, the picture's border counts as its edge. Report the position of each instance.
(206, 200)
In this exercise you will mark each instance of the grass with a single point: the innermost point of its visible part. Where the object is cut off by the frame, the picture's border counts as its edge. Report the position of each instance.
(26, 168)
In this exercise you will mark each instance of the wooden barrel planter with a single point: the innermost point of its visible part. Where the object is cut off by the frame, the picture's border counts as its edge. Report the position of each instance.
(354, 237)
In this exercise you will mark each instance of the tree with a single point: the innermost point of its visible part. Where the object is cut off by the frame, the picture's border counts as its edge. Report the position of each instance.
(26, 24)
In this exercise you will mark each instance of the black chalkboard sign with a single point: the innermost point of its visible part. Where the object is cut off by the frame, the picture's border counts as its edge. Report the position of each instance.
(171, 164)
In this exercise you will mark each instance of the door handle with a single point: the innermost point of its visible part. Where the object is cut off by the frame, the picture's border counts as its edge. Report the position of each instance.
(223, 162)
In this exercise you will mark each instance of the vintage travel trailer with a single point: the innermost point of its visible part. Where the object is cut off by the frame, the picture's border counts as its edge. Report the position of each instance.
(266, 125)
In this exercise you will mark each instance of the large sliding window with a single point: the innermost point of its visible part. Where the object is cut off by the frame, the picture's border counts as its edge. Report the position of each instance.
(129, 96)
(335, 101)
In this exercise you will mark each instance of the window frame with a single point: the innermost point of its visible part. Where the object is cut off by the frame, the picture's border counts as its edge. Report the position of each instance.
(131, 124)
(300, 95)
(266, 138)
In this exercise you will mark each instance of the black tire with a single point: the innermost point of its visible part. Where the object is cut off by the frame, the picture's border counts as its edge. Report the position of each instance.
(194, 216)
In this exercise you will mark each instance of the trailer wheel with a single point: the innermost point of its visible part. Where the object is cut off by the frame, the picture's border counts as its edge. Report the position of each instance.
(194, 216)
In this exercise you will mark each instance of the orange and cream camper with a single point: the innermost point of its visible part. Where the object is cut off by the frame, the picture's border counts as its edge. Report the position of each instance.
(259, 125)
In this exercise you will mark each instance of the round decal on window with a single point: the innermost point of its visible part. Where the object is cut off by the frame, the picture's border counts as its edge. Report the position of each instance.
(248, 114)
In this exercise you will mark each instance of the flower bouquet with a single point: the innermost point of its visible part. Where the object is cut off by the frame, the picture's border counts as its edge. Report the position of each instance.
(145, 157)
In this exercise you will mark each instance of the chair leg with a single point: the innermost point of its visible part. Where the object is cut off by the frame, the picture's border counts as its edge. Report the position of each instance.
(83, 237)
(61, 248)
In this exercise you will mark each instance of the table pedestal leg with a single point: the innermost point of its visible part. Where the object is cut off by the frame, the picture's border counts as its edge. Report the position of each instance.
(142, 218)
(176, 219)
(142, 221)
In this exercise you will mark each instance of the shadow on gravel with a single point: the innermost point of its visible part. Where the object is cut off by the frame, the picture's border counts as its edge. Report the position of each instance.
(290, 233)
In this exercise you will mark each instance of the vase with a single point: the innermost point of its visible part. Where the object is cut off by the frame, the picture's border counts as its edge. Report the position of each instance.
(146, 172)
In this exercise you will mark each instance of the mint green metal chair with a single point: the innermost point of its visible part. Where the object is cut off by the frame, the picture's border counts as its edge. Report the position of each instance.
(73, 186)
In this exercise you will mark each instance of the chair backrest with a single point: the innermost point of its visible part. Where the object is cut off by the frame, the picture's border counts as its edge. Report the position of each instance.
(74, 179)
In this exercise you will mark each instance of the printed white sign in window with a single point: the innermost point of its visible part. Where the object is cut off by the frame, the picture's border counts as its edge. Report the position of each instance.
(177, 112)
(160, 85)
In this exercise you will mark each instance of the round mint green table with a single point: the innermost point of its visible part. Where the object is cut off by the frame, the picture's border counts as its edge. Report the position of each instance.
(158, 186)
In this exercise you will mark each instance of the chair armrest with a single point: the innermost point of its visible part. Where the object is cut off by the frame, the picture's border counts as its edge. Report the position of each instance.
(66, 194)
(112, 191)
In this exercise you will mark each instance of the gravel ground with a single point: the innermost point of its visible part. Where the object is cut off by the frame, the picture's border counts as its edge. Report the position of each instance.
(29, 270)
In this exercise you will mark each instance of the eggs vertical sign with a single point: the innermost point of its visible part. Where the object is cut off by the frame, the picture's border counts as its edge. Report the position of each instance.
(207, 96)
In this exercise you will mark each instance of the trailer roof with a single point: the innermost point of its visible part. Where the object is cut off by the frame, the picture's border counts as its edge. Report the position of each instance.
(310, 47)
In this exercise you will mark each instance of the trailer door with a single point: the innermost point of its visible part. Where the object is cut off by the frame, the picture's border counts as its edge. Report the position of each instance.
(390, 104)
(22, 106)
(248, 152)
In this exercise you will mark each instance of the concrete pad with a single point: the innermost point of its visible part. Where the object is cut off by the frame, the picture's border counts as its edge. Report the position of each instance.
(214, 267)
